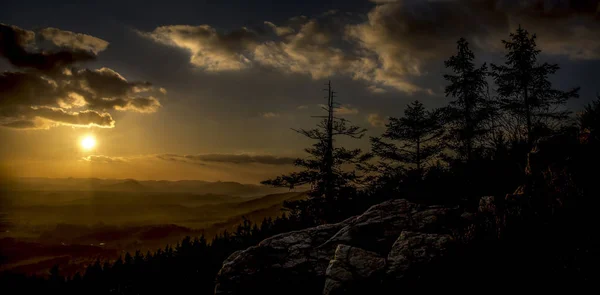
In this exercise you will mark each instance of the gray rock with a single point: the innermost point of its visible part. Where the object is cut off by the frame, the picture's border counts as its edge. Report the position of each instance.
(299, 260)
(287, 254)
(415, 249)
(350, 268)
(487, 205)
(378, 228)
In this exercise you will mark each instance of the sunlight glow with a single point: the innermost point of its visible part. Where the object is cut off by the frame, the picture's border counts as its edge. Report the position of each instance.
(88, 142)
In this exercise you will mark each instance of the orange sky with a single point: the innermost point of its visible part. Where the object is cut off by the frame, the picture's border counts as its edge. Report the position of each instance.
(186, 93)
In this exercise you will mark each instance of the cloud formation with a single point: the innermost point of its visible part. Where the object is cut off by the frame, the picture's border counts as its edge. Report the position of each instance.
(391, 46)
(228, 158)
(315, 47)
(346, 110)
(270, 115)
(15, 41)
(376, 120)
(49, 90)
(209, 49)
(280, 31)
(103, 159)
(406, 34)
(74, 41)
(342, 109)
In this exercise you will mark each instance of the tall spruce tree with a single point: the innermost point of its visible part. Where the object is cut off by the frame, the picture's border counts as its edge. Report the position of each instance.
(327, 169)
(525, 92)
(467, 114)
(417, 133)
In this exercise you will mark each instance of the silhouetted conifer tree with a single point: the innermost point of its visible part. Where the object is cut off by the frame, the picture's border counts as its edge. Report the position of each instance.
(128, 259)
(525, 93)
(55, 275)
(417, 134)
(466, 115)
(325, 170)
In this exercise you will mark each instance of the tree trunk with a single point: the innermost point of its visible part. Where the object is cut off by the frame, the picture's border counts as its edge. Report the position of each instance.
(329, 185)
(469, 127)
(419, 157)
(528, 115)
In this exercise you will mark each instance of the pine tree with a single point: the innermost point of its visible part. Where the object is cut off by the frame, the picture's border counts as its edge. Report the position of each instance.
(525, 92)
(324, 170)
(256, 234)
(106, 266)
(467, 114)
(138, 258)
(148, 256)
(417, 134)
(55, 276)
(118, 263)
(128, 259)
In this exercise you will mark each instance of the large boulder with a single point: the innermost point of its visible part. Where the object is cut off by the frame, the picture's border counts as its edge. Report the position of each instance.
(297, 261)
(286, 257)
(379, 227)
(350, 269)
(413, 250)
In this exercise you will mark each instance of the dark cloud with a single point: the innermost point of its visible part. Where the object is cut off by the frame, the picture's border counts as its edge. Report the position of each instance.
(105, 89)
(49, 91)
(104, 83)
(228, 158)
(74, 41)
(13, 44)
(210, 49)
(406, 34)
(26, 88)
(317, 47)
(395, 43)
(46, 117)
(280, 30)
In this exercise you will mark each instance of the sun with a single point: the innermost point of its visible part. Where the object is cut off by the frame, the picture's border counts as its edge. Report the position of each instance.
(88, 142)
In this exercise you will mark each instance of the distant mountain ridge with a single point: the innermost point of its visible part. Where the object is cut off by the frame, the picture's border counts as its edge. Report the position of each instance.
(133, 185)
(74, 228)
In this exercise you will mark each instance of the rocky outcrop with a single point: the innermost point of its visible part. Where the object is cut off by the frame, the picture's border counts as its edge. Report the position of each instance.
(487, 205)
(415, 249)
(403, 247)
(351, 268)
(332, 258)
(286, 256)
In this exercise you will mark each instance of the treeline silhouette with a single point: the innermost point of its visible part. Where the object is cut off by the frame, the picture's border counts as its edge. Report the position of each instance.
(491, 139)
(447, 155)
(189, 265)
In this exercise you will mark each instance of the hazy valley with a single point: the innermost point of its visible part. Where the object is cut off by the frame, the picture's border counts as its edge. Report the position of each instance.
(75, 221)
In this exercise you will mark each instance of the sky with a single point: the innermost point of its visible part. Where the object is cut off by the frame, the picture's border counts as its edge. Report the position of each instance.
(211, 89)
